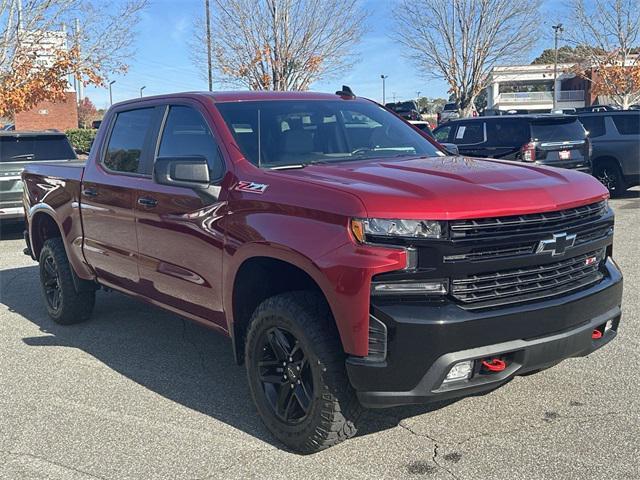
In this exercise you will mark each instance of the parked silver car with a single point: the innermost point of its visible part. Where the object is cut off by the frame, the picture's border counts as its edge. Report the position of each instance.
(615, 137)
(16, 150)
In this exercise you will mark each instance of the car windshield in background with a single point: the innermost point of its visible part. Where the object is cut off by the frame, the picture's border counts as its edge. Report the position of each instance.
(35, 148)
(403, 106)
(557, 130)
(284, 133)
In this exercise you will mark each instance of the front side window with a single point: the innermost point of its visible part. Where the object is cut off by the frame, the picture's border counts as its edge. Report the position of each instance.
(292, 132)
(627, 124)
(127, 140)
(442, 134)
(187, 134)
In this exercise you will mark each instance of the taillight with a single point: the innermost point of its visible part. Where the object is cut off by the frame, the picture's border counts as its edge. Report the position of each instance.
(528, 152)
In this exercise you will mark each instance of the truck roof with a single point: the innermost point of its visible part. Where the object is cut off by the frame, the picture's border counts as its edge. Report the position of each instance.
(238, 96)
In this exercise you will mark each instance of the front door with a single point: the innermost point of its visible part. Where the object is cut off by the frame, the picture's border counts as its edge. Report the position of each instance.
(108, 195)
(179, 238)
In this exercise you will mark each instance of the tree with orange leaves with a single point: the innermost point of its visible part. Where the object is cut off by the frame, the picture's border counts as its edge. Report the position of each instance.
(609, 33)
(34, 69)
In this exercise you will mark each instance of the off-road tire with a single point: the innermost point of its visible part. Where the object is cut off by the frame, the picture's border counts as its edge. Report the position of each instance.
(607, 171)
(73, 306)
(334, 409)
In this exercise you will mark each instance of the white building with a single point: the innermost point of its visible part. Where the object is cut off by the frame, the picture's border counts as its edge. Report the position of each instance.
(530, 87)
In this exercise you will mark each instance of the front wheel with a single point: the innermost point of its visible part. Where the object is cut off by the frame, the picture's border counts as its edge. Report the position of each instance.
(296, 373)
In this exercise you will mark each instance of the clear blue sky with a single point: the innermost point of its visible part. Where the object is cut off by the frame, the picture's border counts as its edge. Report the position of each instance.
(162, 62)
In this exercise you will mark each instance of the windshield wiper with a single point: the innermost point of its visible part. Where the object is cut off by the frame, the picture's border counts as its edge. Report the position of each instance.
(293, 166)
(24, 155)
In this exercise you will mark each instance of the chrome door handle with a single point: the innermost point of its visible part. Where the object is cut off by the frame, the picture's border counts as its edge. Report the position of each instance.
(90, 192)
(147, 202)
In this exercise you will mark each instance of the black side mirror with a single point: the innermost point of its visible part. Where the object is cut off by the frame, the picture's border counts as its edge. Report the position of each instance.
(452, 148)
(191, 172)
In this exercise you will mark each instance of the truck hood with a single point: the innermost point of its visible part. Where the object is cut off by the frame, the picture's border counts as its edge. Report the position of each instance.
(445, 188)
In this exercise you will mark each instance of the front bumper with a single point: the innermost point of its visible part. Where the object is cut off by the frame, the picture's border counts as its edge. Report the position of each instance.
(426, 340)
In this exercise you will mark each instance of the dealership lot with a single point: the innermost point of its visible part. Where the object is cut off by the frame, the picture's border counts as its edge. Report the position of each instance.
(139, 393)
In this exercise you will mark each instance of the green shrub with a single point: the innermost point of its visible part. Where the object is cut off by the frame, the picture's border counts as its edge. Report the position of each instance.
(81, 138)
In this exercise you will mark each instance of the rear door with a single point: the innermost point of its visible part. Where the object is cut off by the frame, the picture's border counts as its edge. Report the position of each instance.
(628, 126)
(560, 142)
(18, 150)
(506, 136)
(109, 189)
(180, 239)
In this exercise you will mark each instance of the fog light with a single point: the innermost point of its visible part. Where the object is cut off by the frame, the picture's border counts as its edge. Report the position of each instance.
(437, 287)
(460, 371)
(608, 326)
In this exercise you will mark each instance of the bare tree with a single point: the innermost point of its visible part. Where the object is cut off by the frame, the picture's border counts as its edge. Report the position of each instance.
(44, 41)
(280, 44)
(462, 40)
(609, 34)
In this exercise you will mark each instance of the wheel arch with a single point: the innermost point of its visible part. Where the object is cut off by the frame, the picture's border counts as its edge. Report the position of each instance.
(266, 272)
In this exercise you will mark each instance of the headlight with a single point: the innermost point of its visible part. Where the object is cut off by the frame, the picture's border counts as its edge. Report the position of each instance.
(382, 227)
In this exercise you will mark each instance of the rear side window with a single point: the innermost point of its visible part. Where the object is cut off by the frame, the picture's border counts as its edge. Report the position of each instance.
(35, 148)
(127, 140)
(507, 132)
(187, 134)
(627, 124)
(557, 131)
(469, 133)
(594, 124)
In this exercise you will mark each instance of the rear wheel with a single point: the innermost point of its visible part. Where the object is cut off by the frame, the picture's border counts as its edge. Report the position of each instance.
(609, 174)
(296, 373)
(64, 304)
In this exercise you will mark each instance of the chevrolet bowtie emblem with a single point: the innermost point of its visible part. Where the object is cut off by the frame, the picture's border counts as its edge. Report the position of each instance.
(558, 245)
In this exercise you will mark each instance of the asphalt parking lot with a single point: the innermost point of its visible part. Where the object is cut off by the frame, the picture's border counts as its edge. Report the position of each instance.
(137, 393)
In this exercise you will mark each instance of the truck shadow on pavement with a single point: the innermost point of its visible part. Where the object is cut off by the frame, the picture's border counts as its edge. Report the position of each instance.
(172, 357)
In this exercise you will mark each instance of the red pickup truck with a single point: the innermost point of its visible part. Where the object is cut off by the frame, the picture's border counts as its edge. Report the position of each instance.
(350, 258)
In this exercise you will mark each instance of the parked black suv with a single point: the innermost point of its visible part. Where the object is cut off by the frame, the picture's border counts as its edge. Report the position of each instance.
(554, 140)
(615, 136)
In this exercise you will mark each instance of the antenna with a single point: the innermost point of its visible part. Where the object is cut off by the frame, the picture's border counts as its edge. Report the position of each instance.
(346, 92)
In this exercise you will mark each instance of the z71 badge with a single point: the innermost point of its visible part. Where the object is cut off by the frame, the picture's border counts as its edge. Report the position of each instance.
(252, 187)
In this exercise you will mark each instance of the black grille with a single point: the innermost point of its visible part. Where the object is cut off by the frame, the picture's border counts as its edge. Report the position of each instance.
(531, 223)
(529, 283)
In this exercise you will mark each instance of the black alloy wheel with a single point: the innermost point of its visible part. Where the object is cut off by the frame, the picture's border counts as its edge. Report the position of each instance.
(285, 375)
(51, 284)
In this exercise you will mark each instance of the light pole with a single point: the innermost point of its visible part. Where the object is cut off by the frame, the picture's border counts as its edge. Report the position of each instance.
(208, 27)
(141, 89)
(384, 95)
(557, 30)
(110, 94)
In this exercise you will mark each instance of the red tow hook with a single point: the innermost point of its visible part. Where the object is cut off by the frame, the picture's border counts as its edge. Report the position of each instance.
(596, 334)
(495, 365)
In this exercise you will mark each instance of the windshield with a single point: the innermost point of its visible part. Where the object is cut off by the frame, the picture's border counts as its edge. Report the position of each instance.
(280, 133)
(557, 131)
(35, 148)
